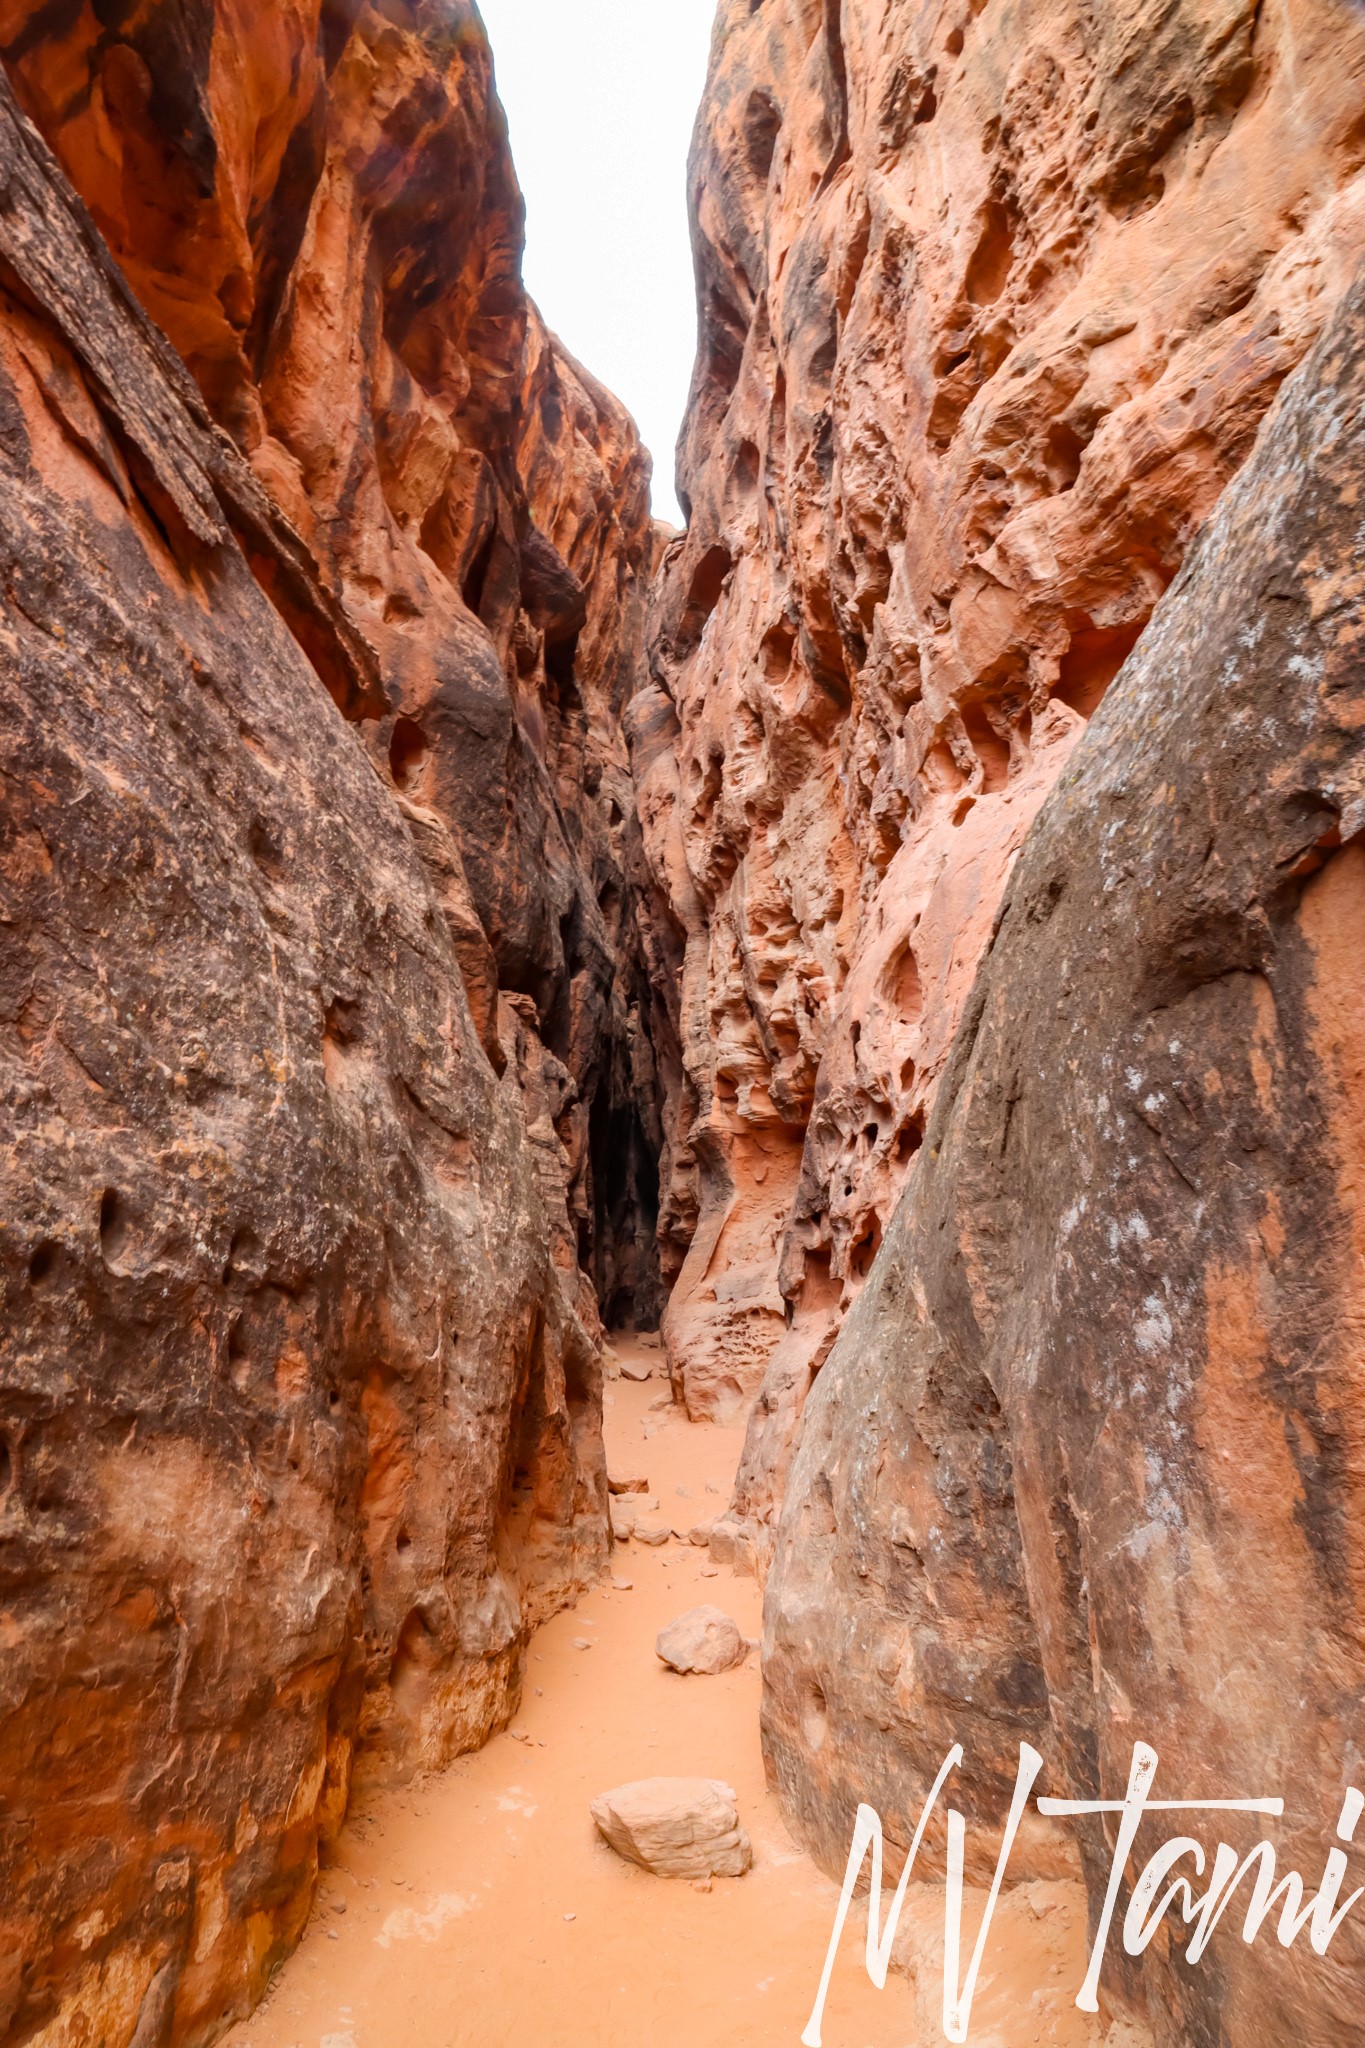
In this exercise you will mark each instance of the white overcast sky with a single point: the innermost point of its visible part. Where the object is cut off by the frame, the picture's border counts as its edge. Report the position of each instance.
(600, 97)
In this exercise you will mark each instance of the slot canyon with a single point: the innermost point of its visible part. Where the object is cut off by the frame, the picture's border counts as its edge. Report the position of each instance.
(851, 1012)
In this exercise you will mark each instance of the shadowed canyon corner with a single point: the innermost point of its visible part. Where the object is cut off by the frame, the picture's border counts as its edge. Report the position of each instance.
(649, 1176)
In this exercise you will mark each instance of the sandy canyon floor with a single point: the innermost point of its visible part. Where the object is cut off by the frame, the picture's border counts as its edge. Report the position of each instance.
(480, 1908)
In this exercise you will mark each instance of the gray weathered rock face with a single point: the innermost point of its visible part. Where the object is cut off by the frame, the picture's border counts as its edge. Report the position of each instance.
(1085, 1464)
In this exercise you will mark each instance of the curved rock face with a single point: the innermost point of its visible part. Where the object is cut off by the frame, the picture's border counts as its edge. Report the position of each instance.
(1084, 1466)
(324, 1029)
(993, 298)
(320, 211)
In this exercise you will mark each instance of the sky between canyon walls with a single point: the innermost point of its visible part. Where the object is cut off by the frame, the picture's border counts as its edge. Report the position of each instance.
(600, 97)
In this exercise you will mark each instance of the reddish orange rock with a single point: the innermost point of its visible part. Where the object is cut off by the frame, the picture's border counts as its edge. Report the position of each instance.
(993, 298)
(326, 1085)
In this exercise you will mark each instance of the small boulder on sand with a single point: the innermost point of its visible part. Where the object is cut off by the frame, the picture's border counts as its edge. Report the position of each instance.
(703, 1640)
(652, 1533)
(700, 1534)
(623, 1513)
(627, 1482)
(636, 1369)
(676, 1827)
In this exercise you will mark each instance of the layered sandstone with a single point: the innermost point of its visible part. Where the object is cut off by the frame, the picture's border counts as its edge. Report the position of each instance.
(324, 1033)
(1085, 1464)
(993, 298)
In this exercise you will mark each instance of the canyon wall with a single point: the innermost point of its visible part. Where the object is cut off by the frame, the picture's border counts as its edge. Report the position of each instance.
(1085, 1465)
(994, 295)
(324, 1023)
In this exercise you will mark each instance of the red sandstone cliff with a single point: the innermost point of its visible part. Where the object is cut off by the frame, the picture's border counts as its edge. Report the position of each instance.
(1085, 1465)
(993, 298)
(324, 1031)
(1030, 394)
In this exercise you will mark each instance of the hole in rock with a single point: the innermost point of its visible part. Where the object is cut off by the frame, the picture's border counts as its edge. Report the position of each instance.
(954, 41)
(762, 126)
(265, 850)
(1092, 661)
(865, 1251)
(814, 1716)
(408, 749)
(993, 258)
(708, 580)
(42, 1260)
(911, 1135)
(241, 1252)
(992, 751)
(404, 1542)
(115, 1226)
(1062, 456)
(902, 983)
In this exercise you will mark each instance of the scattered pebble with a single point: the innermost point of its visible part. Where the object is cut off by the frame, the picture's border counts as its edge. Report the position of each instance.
(708, 1571)
(571, 1916)
(714, 1486)
(683, 1492)
(581, 1643)
(332, 1934)
(338, 1905)
(622, 1586)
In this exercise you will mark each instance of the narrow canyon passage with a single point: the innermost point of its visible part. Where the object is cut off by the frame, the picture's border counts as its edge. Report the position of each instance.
(479, 1909)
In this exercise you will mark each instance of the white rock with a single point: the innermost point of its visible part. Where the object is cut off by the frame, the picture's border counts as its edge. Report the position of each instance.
(676, 1827)
(636, 1369)
(652, 1533)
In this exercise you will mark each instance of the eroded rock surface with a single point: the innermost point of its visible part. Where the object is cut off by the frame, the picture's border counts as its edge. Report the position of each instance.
(1084, 1466)
(324, 1040)
(993, 298)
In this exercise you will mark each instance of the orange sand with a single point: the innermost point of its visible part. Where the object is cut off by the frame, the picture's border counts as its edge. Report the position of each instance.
(481, 1908)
